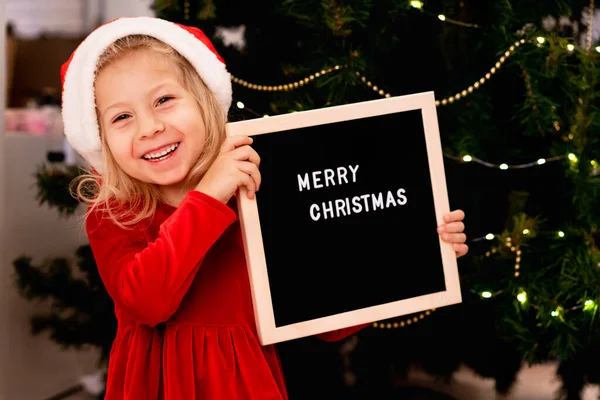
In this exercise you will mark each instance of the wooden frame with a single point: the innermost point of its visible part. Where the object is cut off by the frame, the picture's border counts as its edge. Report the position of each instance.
(249, 218)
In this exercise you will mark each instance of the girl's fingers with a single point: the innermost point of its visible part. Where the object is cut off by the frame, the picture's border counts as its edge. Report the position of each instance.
(454, 237)
(246, 153)
(250, 185)
(452, 227)
(250, 169)
(231, 142)
(454, 216)
(460, 249)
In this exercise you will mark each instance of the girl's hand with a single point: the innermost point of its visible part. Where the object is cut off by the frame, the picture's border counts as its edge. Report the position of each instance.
(236, 166)
(452, 232)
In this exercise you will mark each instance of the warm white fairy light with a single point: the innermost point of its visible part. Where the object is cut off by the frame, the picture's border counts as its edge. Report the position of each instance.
(240, 105)
(504, 166)
(560, 234)
(489, 236)
(526, 231)
(442, 17)
(540, 40)
(589, 305)
(598, 49)
(570, 47)
(417, 4)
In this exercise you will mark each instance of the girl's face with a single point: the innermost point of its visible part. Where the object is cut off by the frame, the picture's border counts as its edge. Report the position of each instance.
(150, 121)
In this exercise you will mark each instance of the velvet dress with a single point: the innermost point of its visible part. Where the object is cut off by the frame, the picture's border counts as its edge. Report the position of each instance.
(186, 327)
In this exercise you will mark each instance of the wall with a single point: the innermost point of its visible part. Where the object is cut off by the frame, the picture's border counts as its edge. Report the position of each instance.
(129, 8)
(33, 17)
(3, 271)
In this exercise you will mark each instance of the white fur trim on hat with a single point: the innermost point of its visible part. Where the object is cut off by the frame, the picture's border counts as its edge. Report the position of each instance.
(78, 102)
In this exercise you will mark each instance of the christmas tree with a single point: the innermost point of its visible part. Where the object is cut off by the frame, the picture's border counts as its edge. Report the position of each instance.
(516, 84)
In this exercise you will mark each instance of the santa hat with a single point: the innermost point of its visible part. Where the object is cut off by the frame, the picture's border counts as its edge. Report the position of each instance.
(78, 74)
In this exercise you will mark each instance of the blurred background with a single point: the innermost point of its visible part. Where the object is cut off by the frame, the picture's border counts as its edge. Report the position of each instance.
(516, 85)
(38, 36)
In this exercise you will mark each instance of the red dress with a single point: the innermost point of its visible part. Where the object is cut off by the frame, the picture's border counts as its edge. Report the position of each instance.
(182, 298)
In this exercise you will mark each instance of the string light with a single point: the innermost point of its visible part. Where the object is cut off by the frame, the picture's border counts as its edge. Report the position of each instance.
(419, 6)
(503, 166)
(383, 93)
(559, 312)
(589, 305)
(521, 297)
(526, 232)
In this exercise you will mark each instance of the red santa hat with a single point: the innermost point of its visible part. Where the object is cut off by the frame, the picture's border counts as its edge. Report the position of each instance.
(78, 74)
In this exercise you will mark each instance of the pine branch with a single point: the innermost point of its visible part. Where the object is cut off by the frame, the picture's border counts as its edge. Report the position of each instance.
(53, 187)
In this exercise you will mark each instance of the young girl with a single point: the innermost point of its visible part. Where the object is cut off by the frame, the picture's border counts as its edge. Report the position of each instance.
(145, 103)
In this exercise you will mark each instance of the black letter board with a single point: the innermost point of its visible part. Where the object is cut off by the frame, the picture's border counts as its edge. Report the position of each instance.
(349, 196)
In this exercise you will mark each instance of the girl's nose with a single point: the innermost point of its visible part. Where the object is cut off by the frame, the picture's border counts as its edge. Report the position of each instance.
(150, 127)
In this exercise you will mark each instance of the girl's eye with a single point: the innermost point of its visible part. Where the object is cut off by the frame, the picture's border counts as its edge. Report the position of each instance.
(164, 99)
(121, 117)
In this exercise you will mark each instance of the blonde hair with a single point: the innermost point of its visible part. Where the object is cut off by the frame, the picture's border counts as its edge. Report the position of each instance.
(128, 201)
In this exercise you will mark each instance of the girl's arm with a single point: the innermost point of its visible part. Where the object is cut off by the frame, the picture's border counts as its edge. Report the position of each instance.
(149, 280)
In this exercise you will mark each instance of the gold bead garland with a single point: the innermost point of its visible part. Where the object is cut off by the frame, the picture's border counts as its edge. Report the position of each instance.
(514, 249)
(483, 79)
(372, 86)
(376, 88)
(403, 323)
(589, 303)
(186, 10)
(381, 92)
(287, 86)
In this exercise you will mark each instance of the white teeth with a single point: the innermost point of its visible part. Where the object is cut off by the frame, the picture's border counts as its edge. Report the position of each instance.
(153, 156)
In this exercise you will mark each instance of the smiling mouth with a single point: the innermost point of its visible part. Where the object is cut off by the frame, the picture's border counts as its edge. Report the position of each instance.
(161, 155)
